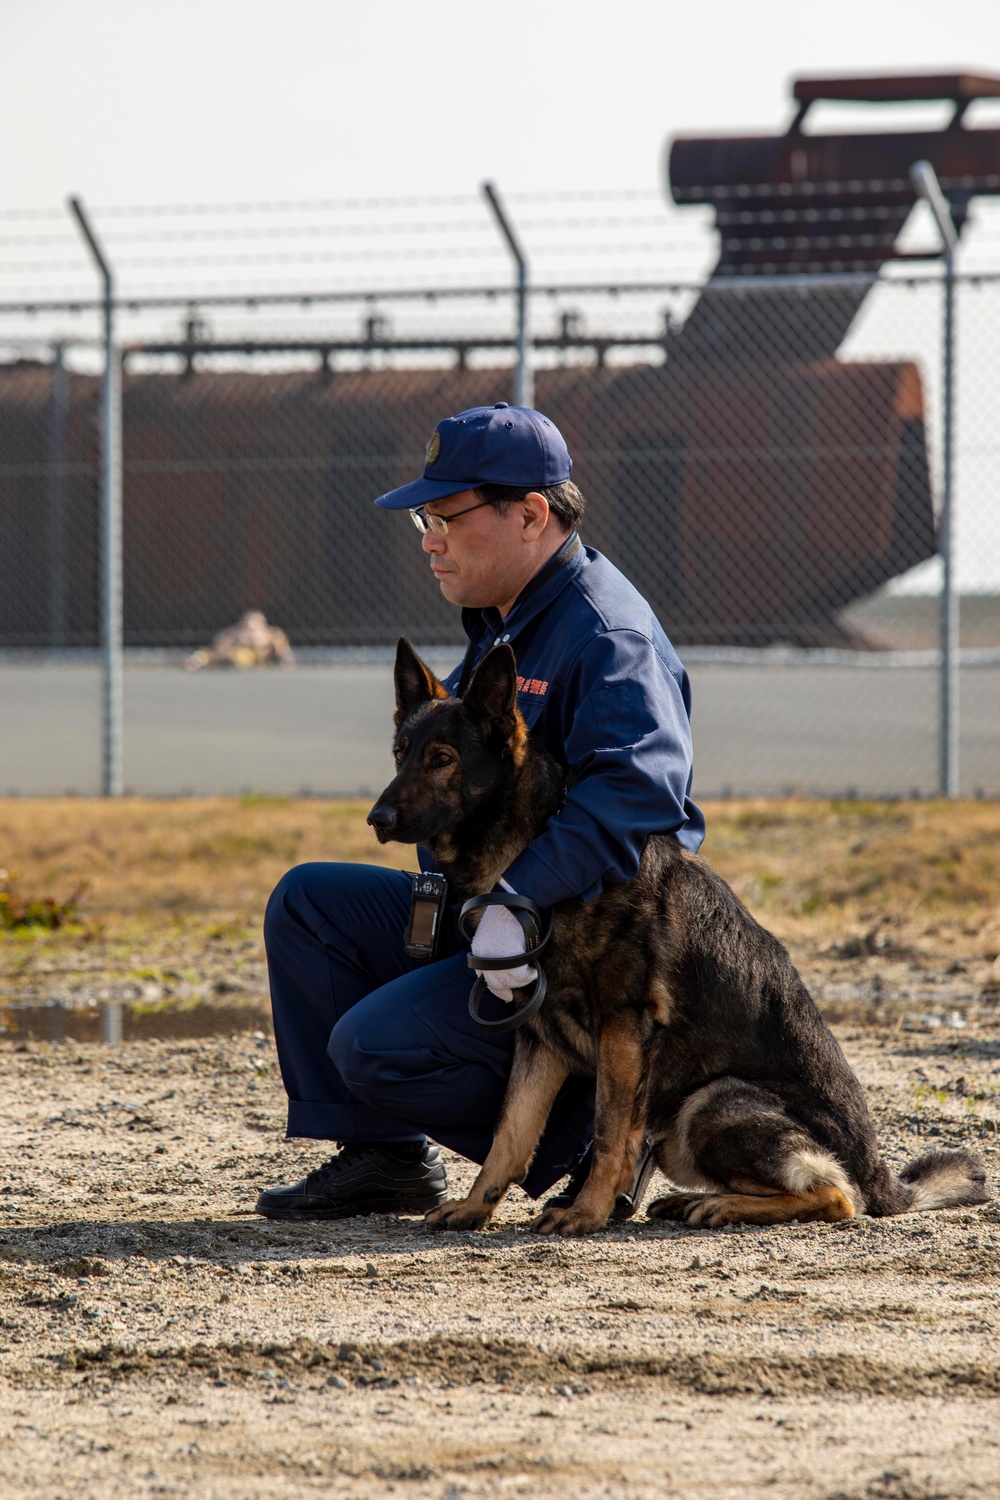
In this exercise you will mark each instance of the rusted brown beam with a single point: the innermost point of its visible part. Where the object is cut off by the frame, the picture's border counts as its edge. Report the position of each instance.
(898, 88)
(847, 167)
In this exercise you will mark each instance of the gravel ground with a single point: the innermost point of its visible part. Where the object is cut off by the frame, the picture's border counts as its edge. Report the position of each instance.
(158, 1339)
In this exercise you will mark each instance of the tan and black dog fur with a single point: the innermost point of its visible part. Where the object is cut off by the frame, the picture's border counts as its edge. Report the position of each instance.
(698, 1029)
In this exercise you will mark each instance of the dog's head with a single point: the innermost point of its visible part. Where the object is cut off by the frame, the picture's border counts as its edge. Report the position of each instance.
(452, 754)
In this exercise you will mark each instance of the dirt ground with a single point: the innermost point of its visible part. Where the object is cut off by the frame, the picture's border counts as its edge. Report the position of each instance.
(158, 1339)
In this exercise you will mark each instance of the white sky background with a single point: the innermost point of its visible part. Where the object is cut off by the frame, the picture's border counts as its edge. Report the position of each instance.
(217, 100)
(218, 103)
(213, 101)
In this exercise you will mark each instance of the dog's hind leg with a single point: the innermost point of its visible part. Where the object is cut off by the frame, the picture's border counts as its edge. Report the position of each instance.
(739, 1138)
(821, 1204)
(618, 1128)
(536, 1077)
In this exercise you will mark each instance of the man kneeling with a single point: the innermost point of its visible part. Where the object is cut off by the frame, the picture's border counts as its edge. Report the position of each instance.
(378, 1050)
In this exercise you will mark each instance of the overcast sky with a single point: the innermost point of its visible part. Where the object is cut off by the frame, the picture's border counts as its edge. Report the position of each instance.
(219, 102)
(128, 102)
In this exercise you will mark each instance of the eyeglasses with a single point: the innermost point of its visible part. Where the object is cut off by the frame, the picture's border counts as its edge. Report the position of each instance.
(425, 521)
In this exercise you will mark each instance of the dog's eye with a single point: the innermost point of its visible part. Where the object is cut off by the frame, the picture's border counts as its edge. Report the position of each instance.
(440, 759)
(399, 752)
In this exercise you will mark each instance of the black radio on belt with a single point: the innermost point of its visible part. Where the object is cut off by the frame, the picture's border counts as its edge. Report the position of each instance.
(427, 904)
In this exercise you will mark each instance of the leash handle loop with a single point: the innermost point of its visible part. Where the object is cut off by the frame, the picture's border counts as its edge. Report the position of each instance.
(524, 1012)
(526, 912)
(530, 918)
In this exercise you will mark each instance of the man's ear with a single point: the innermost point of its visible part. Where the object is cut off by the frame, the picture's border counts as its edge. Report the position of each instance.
(415, 683)
(492, 693)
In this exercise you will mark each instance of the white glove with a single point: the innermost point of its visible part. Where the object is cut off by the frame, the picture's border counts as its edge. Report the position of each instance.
(500, 935)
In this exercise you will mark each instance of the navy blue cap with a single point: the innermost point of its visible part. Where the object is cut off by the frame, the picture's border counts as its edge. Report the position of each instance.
(499, 444)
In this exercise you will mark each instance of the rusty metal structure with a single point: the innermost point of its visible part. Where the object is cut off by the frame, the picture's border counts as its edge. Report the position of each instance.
(807, 204)
(805, 223)
(752, 483)
(797, 205)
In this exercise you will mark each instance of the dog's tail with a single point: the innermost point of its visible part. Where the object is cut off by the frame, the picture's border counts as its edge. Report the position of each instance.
(943, 1179)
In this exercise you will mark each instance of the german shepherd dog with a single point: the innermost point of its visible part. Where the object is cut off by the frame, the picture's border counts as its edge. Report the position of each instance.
(698, 1029)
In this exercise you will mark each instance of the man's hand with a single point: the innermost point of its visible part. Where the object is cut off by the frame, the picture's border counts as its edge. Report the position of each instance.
(500, 935)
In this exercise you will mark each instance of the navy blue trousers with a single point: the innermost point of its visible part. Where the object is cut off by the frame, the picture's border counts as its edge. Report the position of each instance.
(374, 1046)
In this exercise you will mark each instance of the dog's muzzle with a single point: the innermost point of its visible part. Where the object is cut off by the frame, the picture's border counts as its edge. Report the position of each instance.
(383, 819)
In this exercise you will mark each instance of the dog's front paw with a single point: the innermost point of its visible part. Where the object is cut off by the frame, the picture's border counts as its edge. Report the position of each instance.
(569, 1221)
(460, 1214)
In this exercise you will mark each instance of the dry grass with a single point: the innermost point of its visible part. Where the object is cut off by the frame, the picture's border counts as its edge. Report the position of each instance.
(209, 859)
(814, 867)
(168, 882)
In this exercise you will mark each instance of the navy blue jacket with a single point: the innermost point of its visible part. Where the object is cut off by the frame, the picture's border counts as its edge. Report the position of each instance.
(602, 687)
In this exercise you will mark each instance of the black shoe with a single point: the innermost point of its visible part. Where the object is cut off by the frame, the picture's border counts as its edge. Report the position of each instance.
(365, 1177)
(626, 1204)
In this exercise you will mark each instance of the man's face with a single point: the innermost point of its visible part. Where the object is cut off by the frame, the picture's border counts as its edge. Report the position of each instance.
(481, 561)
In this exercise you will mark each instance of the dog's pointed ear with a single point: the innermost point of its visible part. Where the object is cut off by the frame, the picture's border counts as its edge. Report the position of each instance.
(492, 693)
(415, 683)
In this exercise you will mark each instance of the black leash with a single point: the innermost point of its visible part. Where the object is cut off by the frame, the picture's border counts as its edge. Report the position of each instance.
(530, 918)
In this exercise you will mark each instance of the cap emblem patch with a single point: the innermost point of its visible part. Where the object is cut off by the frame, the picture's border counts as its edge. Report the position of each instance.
(433, 448)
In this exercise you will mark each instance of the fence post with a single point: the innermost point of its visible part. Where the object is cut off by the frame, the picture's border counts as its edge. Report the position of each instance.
(925, 182)
(58, 539)
(524, 394)
(111, 523)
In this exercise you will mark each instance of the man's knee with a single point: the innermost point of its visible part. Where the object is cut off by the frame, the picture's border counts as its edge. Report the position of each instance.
(378, 1052)
(293, 902)
(354, 1050)
(276, 912)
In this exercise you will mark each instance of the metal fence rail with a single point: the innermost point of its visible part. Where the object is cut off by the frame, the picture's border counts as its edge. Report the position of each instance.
(764, 461)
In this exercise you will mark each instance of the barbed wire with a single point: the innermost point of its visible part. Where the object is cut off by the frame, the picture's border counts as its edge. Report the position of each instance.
(79, 299)
(428, 253)
(32, 213)
(325, 205)
(631, 230)
(318, 231)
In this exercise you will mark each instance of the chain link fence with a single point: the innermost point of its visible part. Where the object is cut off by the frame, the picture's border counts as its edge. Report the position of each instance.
(763, 460)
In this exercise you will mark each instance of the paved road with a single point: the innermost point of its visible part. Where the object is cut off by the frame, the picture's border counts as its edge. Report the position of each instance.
(759, 730)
